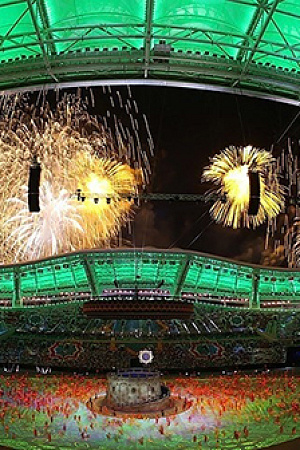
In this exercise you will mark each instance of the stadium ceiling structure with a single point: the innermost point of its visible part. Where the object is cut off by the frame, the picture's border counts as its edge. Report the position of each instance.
(242, 46)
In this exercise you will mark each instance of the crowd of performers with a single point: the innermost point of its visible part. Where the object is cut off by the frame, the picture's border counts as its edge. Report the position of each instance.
(52, 410)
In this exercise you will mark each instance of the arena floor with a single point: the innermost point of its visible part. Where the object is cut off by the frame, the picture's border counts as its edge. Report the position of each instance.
(224, 412)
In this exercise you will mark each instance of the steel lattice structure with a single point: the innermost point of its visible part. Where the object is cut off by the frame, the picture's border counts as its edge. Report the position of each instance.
(183, 274)
(249, 46)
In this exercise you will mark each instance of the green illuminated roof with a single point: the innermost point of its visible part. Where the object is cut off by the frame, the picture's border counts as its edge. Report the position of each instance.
(252, 45)
(176, 271)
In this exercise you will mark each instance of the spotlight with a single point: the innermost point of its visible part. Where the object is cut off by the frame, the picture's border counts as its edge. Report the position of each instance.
(108, 200)
(82, 198)
(96, 200)
(129, 198)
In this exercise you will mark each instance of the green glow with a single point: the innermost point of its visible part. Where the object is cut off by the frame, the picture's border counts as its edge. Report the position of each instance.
(63, 41)
(6, 284)
(210, 16)
(73, 14)
(148, 270)
(20, 40)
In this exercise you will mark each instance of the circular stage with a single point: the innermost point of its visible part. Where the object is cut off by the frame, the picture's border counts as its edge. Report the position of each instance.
(175, 405)
(137, 392)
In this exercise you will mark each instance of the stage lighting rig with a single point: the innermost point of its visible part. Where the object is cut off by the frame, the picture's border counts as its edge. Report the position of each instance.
(137, 197)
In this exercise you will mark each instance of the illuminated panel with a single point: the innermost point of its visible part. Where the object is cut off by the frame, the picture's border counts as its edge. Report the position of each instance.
(218, 26)
(104, 271)
(126, 269)
(227, 280)
(192, 276)
(6, 284)
(16, 24)
(279, 289)
(103, 24)
(129, 269)
(272, 283)
(53, 277)
(79, 274)
(232, 29)
(168, 272)
(243, 44)
(28, 282)
(174, 272)
(149, 270)
(63, 277)
(281, 38)
(296, 284)
(45, 279)
(244, 283)
(209, 277)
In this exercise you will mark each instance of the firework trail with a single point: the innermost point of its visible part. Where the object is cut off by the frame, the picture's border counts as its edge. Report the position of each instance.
(76, 151)
(282, 240)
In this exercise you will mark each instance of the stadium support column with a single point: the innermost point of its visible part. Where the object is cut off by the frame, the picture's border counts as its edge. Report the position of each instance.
(16, 299)
(148, 35)
(181, 277)
(254, 299)
(91, 276)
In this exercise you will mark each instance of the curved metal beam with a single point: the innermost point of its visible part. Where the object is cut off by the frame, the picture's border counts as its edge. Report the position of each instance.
(156, 82)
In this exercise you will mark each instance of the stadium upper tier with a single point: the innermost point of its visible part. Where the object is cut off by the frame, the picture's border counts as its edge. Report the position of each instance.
(231, 44)
(170, 274)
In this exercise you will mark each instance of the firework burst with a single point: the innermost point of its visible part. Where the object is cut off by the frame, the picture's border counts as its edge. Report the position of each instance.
(50, 232)
(230, 170)
(99, 179)
(76, 151)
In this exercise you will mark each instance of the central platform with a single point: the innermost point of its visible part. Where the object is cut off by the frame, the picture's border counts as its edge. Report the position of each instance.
(137, 391)
(135, 388)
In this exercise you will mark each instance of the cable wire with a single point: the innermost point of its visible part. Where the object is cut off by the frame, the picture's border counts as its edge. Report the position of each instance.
(200, 234)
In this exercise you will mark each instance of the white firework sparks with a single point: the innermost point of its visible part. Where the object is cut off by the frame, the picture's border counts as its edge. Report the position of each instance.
(99, 155)
(34, 234)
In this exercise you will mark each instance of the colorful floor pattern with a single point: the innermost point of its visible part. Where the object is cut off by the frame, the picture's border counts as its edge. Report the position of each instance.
(225, 412)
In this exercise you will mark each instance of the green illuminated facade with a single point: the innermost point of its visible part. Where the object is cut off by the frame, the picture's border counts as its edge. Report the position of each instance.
(225, 282)
(234, 45)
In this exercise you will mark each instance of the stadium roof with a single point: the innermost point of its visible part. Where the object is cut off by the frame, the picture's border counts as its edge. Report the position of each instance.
(235, 45)
(175, 271)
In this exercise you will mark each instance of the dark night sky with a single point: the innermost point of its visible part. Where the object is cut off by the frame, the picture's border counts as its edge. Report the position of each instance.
(189, 126)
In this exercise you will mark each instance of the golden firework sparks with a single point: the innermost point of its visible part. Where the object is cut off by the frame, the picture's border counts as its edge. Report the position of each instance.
(75, 151)
(230, 170)
(102, 179)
